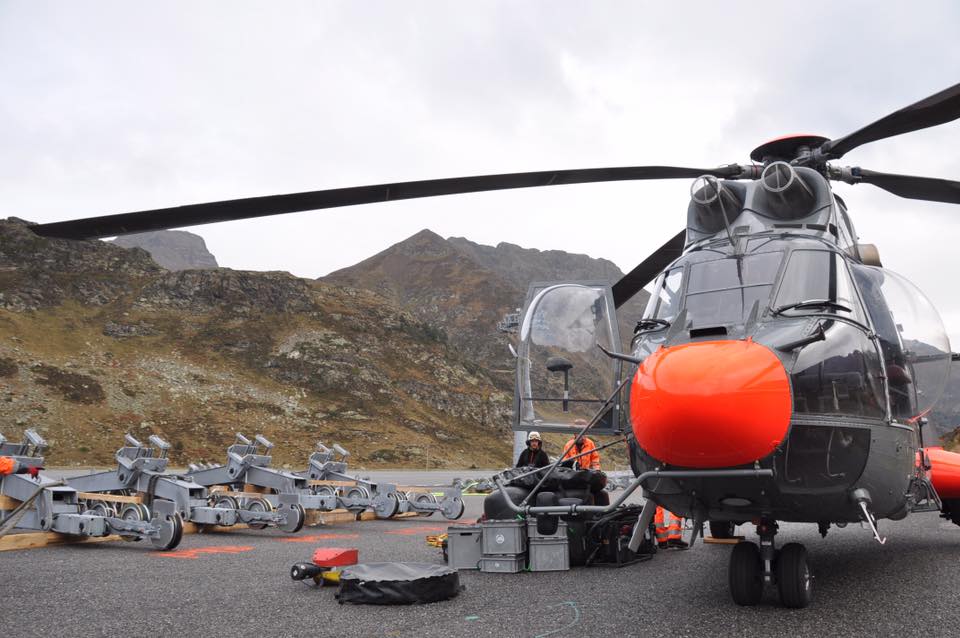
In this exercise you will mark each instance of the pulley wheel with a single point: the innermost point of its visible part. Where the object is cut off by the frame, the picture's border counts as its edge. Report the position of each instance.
(452, 508)
(258, 504)
(420, 499)
(171, 532)
(131, 512)
(100, 508)
(386, 505)
(226, 502)
(295, 517)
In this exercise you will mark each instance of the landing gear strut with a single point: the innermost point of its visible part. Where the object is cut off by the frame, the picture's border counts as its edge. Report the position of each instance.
(752, 567)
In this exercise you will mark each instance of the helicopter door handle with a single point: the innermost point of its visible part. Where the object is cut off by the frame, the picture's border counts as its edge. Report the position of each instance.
(819, 335)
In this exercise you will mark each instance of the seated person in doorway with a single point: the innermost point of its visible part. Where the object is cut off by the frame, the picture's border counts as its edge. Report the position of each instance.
(590, 460)
(534, 454)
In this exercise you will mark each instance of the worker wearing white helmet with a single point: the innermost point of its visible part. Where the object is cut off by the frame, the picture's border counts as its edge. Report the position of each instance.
(533, 455)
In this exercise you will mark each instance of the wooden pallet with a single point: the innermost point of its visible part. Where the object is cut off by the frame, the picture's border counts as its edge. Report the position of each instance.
(722, 541)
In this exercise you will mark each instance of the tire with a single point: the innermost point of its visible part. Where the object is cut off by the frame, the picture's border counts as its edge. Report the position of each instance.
(746, 574)
(722, 529)
(793, 576)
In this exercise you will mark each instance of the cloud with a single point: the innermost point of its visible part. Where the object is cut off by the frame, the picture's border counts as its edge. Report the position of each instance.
(111, 106)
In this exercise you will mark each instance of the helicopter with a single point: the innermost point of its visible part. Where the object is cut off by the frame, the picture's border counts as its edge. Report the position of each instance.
(778, 373)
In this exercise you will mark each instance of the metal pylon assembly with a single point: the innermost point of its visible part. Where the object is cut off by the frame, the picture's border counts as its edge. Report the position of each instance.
(142, 471)
(328, 475)
(45, 505)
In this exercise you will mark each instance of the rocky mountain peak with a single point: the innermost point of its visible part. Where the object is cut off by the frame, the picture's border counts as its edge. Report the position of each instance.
(172, 249)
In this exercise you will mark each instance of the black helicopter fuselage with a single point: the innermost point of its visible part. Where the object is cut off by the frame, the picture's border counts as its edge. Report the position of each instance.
(769, 343)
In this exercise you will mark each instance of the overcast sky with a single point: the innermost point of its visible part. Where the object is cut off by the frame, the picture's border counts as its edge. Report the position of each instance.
(118, 106)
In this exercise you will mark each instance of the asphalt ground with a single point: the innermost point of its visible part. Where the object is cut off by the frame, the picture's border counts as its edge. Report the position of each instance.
(238, 584)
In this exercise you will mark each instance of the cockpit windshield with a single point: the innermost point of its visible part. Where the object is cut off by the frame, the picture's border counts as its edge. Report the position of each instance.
(817, 280)
(724, 291)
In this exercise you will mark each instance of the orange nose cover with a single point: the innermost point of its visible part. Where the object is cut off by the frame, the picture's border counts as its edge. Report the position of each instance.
(710, 404)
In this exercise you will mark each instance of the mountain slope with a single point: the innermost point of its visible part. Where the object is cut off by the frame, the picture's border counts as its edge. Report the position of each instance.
(97, 340)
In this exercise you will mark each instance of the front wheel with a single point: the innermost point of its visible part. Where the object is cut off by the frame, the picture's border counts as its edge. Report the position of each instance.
(793, 576)
(746, 574)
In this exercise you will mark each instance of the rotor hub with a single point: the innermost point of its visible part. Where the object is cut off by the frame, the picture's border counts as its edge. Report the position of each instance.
(787, 148)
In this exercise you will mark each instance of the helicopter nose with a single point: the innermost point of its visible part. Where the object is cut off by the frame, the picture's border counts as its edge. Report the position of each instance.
(710, 404)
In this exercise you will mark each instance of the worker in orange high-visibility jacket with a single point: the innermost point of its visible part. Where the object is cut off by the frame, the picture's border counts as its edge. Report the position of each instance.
(576, 446)
(10, 465)
(669, 528)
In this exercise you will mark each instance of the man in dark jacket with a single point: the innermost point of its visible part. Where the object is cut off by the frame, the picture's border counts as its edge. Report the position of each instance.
(534, 454)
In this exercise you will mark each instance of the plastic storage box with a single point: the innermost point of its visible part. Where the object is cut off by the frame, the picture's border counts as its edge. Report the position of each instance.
(464, 548)
(549, 555)
(503, 564)
(532, 532)
(504, 537)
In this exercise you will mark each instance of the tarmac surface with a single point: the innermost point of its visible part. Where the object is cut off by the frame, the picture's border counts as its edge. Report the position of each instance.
(238, 584)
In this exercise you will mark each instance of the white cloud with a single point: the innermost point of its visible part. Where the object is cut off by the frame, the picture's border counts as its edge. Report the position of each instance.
(112, 106)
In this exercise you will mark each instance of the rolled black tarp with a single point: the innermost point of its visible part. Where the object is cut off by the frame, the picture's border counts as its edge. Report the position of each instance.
(397, 583)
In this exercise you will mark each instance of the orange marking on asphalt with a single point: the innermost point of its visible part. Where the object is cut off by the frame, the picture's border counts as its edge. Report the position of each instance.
(196, 552)
(418, 529)
(317, 537)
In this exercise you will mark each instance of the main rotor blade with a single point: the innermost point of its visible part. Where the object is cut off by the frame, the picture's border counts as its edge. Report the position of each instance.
(930, 189)
(193, 214)
(631, 283)
(939, 108)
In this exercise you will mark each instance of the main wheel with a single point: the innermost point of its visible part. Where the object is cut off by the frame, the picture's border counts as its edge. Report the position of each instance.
(171, 532)
(258, 504)
(746, 574)
(295, 516)
(722, 529)
(793, 576)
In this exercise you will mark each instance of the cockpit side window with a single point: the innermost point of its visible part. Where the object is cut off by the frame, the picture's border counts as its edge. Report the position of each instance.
(819, 275)
(668, 295)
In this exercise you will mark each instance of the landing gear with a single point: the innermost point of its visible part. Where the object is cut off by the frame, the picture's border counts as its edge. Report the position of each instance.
(746, 574)
(793, 576)
(752, 567)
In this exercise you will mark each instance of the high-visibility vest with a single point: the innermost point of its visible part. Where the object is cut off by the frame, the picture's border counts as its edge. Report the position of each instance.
(669, 526)
(587, 461)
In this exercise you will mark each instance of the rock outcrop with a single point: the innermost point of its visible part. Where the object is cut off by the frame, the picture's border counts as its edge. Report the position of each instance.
(172, 249)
